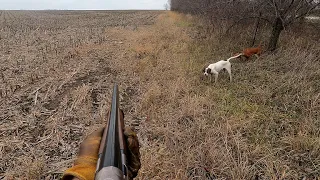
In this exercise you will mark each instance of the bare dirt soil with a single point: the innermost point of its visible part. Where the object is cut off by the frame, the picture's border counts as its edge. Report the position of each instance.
(56, 76)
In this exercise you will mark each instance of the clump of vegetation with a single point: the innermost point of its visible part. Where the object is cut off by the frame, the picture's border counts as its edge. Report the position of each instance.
(276, 14)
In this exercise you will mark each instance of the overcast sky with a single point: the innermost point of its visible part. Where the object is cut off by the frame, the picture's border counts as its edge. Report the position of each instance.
(82, 4)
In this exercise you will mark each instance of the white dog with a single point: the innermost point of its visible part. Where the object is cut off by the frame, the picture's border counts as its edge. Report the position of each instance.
(215, 68)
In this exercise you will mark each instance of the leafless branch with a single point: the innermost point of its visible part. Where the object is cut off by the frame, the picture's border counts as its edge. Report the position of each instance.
(242, 19)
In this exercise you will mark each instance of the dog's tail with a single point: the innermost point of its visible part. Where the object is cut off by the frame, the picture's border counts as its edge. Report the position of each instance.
(236, 56)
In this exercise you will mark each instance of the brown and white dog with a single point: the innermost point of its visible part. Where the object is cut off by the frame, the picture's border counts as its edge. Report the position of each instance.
(248, 52)
(215, 68)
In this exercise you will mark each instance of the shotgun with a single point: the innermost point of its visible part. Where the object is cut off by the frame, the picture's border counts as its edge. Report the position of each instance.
(112, 163)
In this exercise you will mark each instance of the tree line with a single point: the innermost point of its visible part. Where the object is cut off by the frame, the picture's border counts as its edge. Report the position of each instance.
(279, 14)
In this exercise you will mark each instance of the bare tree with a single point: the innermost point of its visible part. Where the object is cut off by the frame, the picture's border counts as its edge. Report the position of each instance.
(283, 13)
(279, 13)
(166, 6)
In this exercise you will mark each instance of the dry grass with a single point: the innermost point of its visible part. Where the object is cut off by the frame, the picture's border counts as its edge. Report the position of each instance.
(264, 125)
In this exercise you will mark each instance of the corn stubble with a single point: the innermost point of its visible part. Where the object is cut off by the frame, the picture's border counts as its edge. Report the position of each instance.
(56, 79)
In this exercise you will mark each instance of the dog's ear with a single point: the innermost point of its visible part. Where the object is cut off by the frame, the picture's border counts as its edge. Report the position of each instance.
(204, 70)
(208, 70)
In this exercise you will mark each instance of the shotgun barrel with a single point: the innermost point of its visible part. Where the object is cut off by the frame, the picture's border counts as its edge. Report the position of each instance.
(111, 163)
